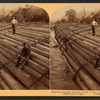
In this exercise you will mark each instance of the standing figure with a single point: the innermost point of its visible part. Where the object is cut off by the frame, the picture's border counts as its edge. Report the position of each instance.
(94, 23)
(53, 40)
(14, 22)
(24, 56)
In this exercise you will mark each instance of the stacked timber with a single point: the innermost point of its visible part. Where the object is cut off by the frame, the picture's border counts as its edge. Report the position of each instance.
(81, 51)
(35, 73)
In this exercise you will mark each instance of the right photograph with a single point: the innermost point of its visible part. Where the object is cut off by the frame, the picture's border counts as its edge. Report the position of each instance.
(75, 48)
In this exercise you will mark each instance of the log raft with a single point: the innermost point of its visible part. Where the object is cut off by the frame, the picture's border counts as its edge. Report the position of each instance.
(81, 51)
(35, 73)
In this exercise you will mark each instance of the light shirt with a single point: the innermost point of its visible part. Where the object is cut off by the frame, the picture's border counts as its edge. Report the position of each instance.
(14, 21)
(94, 23)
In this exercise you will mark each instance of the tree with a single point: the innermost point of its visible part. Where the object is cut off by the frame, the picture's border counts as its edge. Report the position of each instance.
(19, 15)
(97, 17)
(8, 18)
(63, 20)
(28, 14)
(71, 15)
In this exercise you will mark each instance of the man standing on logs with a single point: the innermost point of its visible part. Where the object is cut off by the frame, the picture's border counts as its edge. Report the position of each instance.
(14, 22)
(24, 56)
(94, 23)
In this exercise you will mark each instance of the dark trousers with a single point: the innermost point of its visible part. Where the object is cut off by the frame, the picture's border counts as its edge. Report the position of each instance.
(18, 61)
(23, 62)
(97, 63)
(93, 30)
(13, 27)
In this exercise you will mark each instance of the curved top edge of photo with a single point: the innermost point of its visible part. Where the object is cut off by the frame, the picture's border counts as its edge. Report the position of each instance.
(81, 11)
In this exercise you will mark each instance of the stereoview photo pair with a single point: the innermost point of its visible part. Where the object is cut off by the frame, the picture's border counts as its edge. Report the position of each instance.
(41, 52)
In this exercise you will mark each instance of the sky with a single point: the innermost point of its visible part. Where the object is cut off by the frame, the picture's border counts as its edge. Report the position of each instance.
(8, 7)
(58, 14)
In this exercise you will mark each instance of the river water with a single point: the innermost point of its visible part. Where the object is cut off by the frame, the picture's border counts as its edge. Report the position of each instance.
(61, 78)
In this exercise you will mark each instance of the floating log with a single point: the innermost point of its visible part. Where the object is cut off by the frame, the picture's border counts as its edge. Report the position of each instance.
(37, 29)
(33, 54)
(15, 71)
(20, 41)
(77, 58)
(3, 84)
(35, 67)
(32, 33)
(11, 81)
(84, 74)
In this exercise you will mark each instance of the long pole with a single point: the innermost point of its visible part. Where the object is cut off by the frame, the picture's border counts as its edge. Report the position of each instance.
(84, 13)
(3, 12)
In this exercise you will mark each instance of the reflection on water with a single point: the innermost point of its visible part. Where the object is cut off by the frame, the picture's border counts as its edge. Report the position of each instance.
(53, 40)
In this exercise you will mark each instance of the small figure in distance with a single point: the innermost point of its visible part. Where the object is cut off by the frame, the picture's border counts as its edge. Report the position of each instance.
(24, 56)
(97, 64)
(14, 22)
(94, 23)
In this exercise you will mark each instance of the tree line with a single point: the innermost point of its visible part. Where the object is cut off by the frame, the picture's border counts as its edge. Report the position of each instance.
(71, 17)
(27, 14)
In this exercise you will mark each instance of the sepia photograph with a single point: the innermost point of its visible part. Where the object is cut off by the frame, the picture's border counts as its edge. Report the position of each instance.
(24, 47)
(75, 48)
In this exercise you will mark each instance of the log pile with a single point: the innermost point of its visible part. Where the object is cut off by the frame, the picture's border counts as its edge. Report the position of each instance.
(35, 73)
(81, 51)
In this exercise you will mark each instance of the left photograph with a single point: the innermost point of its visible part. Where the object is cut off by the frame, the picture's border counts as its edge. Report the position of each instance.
(24, 47)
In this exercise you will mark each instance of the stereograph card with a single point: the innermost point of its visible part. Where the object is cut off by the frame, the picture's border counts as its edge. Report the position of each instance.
(49, 49)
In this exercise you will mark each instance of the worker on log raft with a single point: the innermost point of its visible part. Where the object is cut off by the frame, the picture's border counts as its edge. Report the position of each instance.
(94, 23)
(24, 56)
(97, 64)
(14, 22)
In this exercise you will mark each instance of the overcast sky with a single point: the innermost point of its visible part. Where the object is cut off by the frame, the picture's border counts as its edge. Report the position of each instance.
(58, 14)
(11, 6)
(8, 7)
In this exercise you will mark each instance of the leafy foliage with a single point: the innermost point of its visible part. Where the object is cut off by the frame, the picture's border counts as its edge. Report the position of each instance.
(72, 17)
(28, 14)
